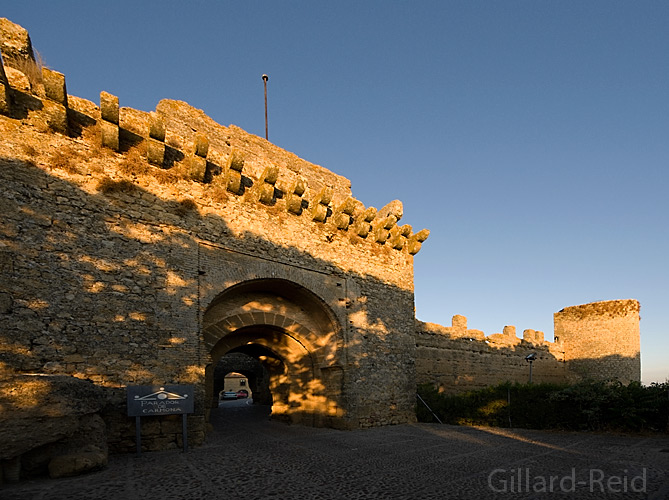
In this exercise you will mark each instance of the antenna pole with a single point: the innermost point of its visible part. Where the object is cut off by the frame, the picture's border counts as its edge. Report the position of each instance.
(264, 79)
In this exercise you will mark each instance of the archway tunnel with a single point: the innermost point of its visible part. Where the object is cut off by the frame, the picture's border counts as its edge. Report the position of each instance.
(285, 340)
(255, 375)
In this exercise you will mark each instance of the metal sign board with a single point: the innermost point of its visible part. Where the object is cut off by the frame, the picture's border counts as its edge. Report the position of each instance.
(156, 400)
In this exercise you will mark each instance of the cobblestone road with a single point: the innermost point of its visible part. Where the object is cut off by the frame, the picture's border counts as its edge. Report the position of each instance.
(249, 456)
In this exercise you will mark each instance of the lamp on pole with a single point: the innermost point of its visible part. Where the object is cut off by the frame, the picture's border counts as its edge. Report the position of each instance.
(530, 358)
(264, 79)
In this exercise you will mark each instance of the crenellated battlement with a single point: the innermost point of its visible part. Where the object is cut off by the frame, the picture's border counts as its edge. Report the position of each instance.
(243, 165)
(508, 337)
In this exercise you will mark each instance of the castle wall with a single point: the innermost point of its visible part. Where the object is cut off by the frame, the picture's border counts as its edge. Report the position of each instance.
(456, 359)
(597, 341)
(601, 340)
(122, 228)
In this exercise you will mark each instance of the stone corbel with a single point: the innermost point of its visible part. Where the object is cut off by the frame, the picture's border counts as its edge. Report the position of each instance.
(382, 228)
(344, 212)
(295, 197)
(233, 168)
(415, 241)
(267, 182)
(363, 225)
(321, 204)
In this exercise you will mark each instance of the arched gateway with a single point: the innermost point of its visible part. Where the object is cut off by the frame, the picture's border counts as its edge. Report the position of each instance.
(295, 336)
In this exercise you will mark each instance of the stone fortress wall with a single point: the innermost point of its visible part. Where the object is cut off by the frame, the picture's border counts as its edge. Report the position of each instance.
(600, 340)
(143, 248)
(140, 248)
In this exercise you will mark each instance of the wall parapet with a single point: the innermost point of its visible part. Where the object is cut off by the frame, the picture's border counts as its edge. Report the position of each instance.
(459, 330)
(281, 179)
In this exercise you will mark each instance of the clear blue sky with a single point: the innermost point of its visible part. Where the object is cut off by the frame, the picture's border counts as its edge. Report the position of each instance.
(531, 137)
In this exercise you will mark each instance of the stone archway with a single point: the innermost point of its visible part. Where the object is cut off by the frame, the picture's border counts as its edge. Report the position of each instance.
(249, 366)
(295, 336)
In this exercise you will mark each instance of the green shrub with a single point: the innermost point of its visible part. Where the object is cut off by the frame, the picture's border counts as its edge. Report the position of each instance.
(587, 405)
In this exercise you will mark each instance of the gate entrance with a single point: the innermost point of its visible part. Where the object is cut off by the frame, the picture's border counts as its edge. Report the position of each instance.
(294, 338)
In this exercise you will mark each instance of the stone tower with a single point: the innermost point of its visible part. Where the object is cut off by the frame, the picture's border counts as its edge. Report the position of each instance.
(601, 340)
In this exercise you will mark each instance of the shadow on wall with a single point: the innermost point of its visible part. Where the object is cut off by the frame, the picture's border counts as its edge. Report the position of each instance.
(101, 282)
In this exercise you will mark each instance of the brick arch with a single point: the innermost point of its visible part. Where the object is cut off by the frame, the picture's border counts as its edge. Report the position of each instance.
(214, 333)
(296, 337)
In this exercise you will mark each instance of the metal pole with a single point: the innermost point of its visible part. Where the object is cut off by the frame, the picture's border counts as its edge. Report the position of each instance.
(264, 79)
(530, 372)
(426, 406)
(184, 431)
(138, 435)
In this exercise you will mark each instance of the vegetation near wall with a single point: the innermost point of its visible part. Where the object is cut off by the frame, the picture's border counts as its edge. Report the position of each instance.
(587, 405)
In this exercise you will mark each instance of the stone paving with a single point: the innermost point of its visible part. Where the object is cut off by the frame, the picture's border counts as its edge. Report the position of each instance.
(249, 456)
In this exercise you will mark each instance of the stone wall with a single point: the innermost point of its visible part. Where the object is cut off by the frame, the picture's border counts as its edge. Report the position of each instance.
(596, 341)
(139, 248)
(457, 359)
(601, 340)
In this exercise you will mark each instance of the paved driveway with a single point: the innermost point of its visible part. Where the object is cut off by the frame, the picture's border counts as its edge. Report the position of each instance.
(249, 456)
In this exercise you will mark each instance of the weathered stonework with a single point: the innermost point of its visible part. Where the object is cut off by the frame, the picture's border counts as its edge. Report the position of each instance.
(145, 248)
(601, 339)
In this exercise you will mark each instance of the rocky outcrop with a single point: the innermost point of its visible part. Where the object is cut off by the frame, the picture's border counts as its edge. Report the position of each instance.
(50, 421)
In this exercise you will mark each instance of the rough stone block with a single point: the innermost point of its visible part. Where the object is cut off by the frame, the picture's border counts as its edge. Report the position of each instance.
(459, 322)
(300, 186)
(56, 116)
(362, 228)
(529, 335)
(74, 464)
(235, 161)
(109, 132)
(406, 230)
(109, 110)
(342, 221)
(319, 208)
(381, 235)
(5, 99)
(54, 86)
(369, 214)
(422, 235)
(394, 208)
(201, 146)
(234, 182)
(270, 175)
(413, 246)
(198, 167)
(156, 152)
(397, 241)
(3, 75)
(266, 194)
(348, 206)
(319, 212)
(156, 126)
(294, 204)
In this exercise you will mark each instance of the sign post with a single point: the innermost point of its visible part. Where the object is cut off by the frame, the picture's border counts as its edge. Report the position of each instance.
(155, 400)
